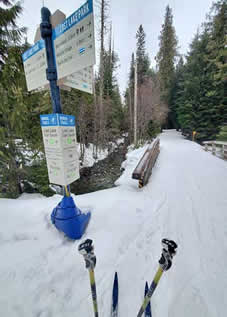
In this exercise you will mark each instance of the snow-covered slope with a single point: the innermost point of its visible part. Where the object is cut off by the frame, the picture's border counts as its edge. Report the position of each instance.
(42, 274)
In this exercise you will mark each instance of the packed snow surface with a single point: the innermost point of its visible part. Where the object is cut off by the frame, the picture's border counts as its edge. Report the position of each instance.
(42, 274)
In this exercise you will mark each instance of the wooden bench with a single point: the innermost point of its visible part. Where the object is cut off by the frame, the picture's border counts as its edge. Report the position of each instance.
(143, 170)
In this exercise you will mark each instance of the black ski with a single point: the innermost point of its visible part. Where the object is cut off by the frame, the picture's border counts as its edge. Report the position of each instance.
(114, 306)
(147, 312)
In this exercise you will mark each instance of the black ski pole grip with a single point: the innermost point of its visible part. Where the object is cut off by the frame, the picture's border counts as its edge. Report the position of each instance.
(168, 251)
(86, 248)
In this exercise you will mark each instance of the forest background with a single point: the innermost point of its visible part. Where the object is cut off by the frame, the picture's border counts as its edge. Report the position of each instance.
(182, 92)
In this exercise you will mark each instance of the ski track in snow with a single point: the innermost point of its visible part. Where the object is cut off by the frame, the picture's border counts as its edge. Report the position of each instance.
(42, 274)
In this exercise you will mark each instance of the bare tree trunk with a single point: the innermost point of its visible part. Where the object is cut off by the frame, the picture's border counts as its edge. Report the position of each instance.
(130, 114)
(101, 87)
(95, 140)
(135, 106)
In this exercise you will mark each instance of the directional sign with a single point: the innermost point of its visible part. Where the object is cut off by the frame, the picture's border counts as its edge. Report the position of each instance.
(59, 136)
(74, 50)
(74, 41)
(82, 80)
(35, 65)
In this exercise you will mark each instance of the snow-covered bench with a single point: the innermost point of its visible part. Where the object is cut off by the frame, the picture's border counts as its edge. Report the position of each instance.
(143, 170)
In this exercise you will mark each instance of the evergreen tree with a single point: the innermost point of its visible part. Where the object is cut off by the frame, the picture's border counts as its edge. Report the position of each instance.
(198, 112)
(129, 97)
(177, 91)
(110, 67)
(142, 58)
(114, 114)
(13, 114)
(201, 105)
(166, 58)
(222, 136)
(217, 55)
(132, 71)
(10, 33)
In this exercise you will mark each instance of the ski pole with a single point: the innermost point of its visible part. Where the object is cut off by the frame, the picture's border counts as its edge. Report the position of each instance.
(87, 250)
(165, 262)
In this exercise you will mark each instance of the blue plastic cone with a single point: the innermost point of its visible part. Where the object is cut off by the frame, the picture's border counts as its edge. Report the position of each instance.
(69, 219)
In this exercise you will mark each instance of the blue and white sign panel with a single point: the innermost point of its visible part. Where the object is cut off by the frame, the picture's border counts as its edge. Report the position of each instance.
(82, 80)
(74, 41)
(59, 136)
(57, 119)
(35, 65)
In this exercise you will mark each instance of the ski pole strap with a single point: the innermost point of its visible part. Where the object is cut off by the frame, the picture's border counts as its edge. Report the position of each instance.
(168, 251)
(150, 291)
(93, 292)
(87, 250)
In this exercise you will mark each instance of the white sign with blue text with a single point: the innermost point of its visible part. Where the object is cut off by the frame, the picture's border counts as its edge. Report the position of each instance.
(74, 41)
(82, 80)
(59, 136)
(74, 50)
(35, 65)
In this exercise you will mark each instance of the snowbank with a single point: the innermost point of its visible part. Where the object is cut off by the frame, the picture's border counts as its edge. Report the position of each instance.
(42, 274)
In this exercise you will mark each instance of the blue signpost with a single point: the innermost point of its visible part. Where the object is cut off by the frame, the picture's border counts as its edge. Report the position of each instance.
(68, 48)
(46, 33)
(66, 216)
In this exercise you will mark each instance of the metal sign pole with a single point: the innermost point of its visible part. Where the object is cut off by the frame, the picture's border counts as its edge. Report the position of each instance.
(51, 72)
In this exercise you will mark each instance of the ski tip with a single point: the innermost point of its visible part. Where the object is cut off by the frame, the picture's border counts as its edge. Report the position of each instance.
(115, 284)
(115, 294)
(146, 288)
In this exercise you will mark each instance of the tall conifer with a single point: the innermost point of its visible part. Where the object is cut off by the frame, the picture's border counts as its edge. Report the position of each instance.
(142, 58)
(10, 33)
(166, 58)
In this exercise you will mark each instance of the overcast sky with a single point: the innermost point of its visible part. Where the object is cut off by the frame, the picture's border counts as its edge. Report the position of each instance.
(127, 15)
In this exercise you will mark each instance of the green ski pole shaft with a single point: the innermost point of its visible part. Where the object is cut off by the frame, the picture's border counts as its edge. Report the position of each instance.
(165, 262)
(93, 292)
(150, 292)
(87, 250)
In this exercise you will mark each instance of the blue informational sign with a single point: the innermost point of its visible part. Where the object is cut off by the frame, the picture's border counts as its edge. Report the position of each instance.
(38, 46)
(73, 19)
(72, 51)
(57, 119)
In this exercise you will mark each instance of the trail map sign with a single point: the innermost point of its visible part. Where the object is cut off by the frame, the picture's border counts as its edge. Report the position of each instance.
(74, 42)
(81, 80)
(35, 65)
(59, 136)
(74, 50)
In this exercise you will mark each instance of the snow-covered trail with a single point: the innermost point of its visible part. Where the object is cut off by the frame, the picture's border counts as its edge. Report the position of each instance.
(42, 274)
(194, 213)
